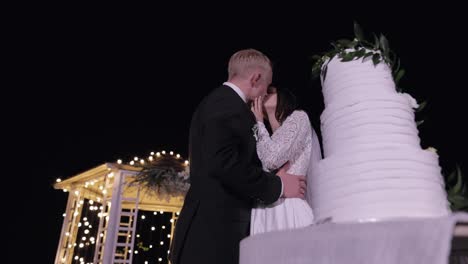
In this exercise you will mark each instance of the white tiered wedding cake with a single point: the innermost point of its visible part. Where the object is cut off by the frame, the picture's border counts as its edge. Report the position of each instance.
(374, 167)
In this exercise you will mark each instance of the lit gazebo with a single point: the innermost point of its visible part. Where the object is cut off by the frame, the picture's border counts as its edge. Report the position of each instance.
(106, 204)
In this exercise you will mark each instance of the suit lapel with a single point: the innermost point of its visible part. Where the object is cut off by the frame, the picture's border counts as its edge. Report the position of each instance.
(245, 105)
(251, 115)
(249, 118)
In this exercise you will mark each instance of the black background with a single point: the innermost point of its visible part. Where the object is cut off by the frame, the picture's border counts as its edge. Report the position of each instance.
(90, 85)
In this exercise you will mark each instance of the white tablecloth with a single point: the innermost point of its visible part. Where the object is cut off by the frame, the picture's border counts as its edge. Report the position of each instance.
(411, 241)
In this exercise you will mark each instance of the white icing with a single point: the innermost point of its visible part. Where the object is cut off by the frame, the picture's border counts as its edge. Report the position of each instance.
(374, 167)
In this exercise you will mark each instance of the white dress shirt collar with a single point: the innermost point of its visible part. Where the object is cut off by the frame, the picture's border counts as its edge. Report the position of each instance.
(237, 90)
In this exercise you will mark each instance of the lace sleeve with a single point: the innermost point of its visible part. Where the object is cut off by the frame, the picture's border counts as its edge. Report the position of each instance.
(276, 150)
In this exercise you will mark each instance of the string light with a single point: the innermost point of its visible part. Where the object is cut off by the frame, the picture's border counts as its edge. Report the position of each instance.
(85, 233)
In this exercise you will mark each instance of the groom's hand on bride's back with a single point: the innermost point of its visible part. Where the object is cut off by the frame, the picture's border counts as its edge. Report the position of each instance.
(294, 186)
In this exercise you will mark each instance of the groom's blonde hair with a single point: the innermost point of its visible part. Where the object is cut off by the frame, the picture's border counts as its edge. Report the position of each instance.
(243, 62)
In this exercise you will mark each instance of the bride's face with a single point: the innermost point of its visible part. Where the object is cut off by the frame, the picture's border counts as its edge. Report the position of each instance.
(271, 99)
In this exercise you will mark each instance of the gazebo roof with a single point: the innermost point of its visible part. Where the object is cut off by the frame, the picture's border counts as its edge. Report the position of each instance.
(92, 185)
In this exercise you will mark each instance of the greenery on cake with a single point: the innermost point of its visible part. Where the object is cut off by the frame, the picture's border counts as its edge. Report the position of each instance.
(377, 50)
(457, 190)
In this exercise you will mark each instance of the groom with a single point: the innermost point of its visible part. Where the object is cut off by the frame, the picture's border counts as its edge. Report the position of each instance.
(225, 172)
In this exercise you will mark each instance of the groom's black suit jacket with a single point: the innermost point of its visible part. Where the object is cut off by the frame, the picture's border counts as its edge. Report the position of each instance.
(226, 178)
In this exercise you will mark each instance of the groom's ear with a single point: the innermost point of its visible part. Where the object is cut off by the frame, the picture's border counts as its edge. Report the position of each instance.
(254, 78)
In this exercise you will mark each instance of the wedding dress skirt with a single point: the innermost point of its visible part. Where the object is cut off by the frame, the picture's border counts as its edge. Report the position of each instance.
(286, 213)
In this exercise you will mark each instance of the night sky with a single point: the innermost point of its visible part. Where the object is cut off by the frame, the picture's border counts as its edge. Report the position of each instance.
(107, 85)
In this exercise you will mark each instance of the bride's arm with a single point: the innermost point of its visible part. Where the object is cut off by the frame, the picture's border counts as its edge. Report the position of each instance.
(276, 150)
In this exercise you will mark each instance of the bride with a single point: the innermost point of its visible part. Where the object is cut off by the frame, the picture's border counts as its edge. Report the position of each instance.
(293, 142)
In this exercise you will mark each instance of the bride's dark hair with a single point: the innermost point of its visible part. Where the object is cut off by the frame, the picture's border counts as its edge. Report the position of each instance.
(285, 105)
(286, 102)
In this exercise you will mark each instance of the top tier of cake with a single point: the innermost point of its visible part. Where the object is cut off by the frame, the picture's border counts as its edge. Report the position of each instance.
(363, 108)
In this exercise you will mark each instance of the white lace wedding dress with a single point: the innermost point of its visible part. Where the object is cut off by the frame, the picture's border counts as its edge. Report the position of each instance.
(291, 142)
